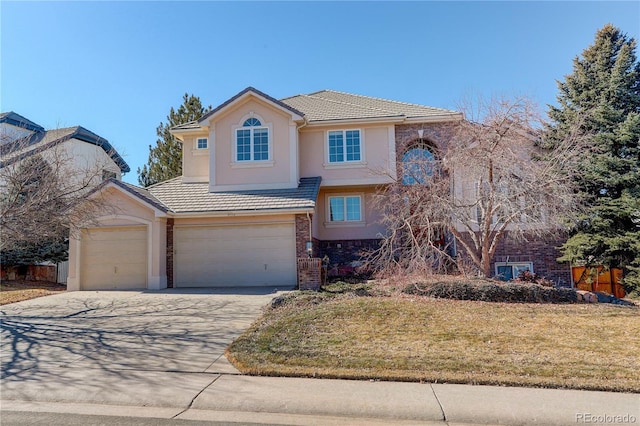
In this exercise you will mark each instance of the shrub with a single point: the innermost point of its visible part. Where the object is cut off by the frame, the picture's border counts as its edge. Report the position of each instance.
(491, 291)
(529, 277)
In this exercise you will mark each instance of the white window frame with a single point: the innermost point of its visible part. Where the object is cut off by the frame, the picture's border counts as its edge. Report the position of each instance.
(516, 267)
(339, 223)
(251, 162)
(197, 144)
(344, 147)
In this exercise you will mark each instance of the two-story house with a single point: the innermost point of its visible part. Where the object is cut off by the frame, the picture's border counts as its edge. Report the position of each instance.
(264, 181)
(79, 157)
(82, 151)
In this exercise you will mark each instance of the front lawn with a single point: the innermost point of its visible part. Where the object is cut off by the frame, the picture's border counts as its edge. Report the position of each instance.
(575, 346)
(17, 291)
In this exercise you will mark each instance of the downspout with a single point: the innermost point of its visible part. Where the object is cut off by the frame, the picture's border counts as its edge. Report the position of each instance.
(310, 250)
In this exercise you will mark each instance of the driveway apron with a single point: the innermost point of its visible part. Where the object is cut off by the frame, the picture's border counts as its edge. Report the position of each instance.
(133, 348)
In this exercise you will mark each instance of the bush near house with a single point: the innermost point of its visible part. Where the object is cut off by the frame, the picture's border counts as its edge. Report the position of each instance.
(491, 291)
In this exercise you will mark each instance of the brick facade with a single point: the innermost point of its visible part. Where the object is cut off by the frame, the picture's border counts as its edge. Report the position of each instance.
(541, 252)
(341, 252)
(436, 134)
(303, 234)
(309, 273)
(170, 252)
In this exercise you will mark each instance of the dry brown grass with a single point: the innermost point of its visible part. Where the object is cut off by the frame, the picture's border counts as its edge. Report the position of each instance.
(417, 339)
(17, 291)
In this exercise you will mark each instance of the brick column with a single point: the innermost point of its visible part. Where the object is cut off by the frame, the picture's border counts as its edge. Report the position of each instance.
(303, 234)
(170, 252)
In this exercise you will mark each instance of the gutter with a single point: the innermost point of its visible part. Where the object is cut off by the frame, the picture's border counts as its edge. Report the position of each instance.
(240, 213)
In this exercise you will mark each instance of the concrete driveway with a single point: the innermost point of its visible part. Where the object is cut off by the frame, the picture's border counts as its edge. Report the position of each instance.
(112, 347)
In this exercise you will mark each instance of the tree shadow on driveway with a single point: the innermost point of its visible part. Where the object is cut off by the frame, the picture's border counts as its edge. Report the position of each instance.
(123, 336)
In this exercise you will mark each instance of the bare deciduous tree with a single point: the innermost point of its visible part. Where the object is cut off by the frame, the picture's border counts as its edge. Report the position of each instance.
(42, 191)
(489, 181)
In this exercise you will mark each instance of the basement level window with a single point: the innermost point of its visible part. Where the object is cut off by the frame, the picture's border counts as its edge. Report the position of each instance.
(508, 271)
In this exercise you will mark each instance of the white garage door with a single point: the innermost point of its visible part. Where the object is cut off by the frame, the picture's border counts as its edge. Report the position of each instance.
(235, 256)
(113, 258)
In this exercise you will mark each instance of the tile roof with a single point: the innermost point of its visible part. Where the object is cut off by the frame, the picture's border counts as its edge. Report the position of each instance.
(181, 197)
(43, 140)
(332, 105)
(185, 126)
(142, 193)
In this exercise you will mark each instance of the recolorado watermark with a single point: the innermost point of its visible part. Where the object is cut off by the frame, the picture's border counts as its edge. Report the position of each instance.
(603, 419)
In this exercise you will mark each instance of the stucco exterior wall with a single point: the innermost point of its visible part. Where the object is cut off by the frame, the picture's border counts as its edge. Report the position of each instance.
(377, 156)
(122, 210)
(280, 171)
(369, 228)
(88, 160)
(195, 162)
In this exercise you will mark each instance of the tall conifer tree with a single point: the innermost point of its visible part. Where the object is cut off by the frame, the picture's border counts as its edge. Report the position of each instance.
(601, 98)
(165, 159)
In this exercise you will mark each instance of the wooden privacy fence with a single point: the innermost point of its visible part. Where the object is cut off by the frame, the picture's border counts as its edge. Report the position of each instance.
(598, 278)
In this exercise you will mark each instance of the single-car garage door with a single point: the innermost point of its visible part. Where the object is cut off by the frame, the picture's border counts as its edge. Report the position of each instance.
(113, 258)
(235, 256)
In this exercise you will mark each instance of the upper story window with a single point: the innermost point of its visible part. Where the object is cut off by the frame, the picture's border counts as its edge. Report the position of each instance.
(252, 141)
(202, 143)
(344, 146)
(345, 209)
(108, 174)
(418, 164)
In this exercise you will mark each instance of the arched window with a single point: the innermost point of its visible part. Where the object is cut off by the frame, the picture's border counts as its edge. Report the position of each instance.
(252, 141)
(418, 164)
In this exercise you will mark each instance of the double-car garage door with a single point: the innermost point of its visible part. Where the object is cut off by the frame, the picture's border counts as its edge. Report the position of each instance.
(235, 256)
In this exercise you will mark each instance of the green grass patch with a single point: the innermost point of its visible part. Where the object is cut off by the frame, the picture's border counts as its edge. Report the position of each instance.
(359, 334)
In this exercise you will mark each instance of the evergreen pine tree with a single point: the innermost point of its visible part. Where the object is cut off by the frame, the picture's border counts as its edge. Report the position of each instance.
(165, 159)
(601, 98)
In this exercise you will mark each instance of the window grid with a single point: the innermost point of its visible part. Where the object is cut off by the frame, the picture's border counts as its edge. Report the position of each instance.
(252, 143)
(344, 145)
(345, 209)
(336, 144)
(353, 145)
(202, 143)
(243, 142)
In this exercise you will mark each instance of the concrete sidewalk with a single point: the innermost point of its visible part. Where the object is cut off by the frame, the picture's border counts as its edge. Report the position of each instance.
(236, 398)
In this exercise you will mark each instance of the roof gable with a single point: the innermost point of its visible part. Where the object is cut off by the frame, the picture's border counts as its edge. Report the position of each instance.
(17, 120)
(249, 91)
(43, 140)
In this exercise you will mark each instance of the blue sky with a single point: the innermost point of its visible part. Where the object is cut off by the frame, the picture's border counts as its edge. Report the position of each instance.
(117, 68)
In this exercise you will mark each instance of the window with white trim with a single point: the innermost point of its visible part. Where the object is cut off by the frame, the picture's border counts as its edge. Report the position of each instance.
(252, 141)
(508, 271)
(202, 143)
(344, 146)
(345, 208)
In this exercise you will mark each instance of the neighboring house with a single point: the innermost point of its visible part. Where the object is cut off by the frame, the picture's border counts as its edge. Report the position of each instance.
(263, 181)
(86, 151)
(84, 158)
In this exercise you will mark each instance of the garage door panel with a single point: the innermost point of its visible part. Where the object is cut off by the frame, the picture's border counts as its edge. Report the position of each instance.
(235, 256)
(114, 258)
